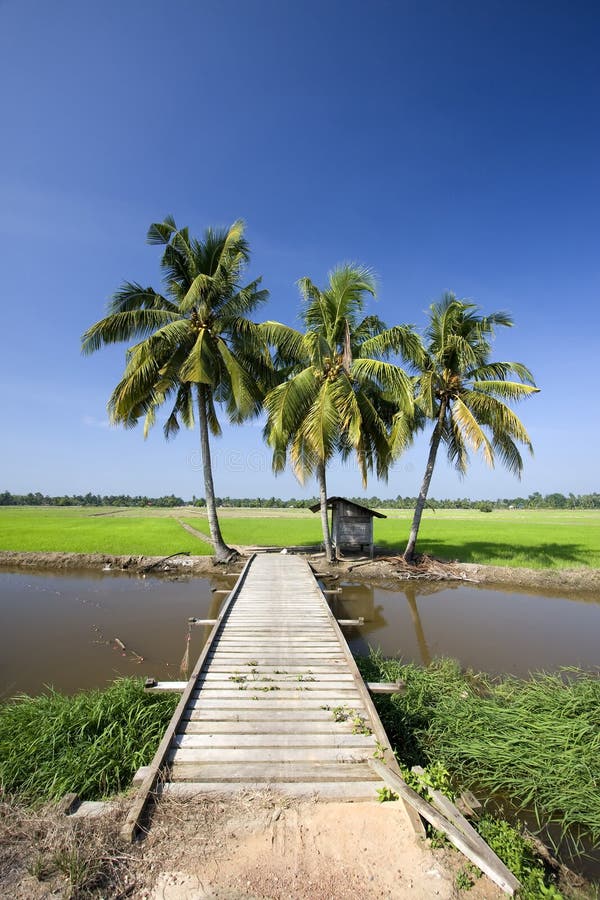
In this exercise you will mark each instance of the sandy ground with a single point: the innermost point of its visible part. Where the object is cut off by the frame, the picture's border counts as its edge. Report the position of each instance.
(308, 851)
(250, 847)
(556, 581)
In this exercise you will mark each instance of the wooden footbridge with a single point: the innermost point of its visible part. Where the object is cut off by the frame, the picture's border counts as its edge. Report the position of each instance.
(275, 701)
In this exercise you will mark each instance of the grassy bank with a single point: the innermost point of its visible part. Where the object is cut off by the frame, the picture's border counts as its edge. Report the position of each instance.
(539, 539)
(535, 742)
(91, 743)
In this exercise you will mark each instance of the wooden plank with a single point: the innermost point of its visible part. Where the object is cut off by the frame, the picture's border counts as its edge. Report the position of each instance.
(386, 687)
(269, 772)
(299, 644)
(271, 741)
(485, 859)
(335, 667)
(266, 725)
(271, 685)
(277, 754)
(129, 828)
(248, 701)
(324, 694)
(301, 675)
(375, 721)
(336, 791)
(166, 686)
(258, 713)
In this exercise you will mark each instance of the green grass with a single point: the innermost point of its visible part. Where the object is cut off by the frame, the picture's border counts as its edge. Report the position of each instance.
(536, 539)
(80, 531)
(540, 539)
(277, 532)
(535, 741)
(91, 743)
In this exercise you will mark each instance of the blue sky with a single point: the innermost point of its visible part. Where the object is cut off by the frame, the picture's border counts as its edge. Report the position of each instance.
(449, 146)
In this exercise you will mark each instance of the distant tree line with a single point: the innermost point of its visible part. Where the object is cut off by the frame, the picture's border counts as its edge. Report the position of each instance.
(37, 499)
(533, 501)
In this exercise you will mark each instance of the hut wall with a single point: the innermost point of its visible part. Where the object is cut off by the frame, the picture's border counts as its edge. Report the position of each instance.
(351, 527)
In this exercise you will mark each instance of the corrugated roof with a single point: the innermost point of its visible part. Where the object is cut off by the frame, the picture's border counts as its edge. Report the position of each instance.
(332, 500)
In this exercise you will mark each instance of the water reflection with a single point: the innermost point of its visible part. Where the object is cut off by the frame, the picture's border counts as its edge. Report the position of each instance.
(411, 597)
(60, 629)
(484, 628)
(358, 600)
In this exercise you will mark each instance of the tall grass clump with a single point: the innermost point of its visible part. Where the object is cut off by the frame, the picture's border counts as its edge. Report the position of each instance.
(534, 741)
(91, 743)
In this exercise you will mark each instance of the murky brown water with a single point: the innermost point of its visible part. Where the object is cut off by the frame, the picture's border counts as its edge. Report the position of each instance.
(494, 631)
(60, 629)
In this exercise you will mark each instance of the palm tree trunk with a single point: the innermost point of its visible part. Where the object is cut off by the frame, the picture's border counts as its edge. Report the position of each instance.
(433, 449)
(222, 551)
(324, 516)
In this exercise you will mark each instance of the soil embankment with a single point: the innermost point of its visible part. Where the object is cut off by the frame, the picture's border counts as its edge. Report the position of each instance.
(388, 568)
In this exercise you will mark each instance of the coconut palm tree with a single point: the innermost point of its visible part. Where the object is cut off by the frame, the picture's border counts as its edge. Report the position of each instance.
(466, 395)
(336, 382)
(195, 347)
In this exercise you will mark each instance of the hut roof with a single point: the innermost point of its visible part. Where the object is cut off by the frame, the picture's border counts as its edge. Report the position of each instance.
(332, 500)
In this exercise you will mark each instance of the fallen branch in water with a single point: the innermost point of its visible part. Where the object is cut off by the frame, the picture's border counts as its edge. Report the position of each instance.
(164, 559)
(125, 650)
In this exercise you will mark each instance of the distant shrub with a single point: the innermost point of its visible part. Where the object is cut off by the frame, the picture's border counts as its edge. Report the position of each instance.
(485, 507)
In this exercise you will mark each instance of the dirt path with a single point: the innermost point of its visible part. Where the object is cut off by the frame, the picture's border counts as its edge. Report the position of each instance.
(197, 534)
(261, 848)
(253, 846)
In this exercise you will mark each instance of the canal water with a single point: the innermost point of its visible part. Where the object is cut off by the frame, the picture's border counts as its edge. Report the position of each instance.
(61, 629)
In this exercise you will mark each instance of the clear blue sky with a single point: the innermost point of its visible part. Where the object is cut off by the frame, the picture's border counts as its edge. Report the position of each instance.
(449, 146)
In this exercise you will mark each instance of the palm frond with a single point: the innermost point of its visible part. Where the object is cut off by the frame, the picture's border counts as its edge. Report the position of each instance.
(201, 365)
(508, 453)
(160, 232)
(501, 371)
(288, 342)
(132, 295)
(244, 301)
(288, 404)
(321, 425)
(472, 432)
(455, 446)
(125, 326)
(506, 390)
(401, 339)
(390, 378)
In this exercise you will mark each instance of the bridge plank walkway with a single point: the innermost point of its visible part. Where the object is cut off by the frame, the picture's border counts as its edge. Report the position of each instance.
(275, 700)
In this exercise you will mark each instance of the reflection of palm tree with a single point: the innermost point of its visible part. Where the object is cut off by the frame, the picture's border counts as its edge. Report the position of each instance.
(216, 602)
(411, 597)
(358, 600)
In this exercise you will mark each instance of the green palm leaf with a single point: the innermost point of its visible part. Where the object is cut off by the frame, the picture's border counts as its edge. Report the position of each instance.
(193, 345)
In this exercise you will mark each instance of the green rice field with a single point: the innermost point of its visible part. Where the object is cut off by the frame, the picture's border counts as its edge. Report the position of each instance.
(556, 539)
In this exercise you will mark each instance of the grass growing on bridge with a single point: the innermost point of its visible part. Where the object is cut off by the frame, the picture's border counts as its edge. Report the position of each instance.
(558, 539)
(535, 741)
(91, 743)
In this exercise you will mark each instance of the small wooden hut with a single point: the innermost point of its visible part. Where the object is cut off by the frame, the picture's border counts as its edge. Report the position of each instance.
(351, 524)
